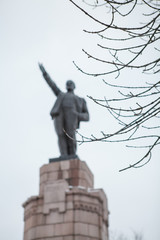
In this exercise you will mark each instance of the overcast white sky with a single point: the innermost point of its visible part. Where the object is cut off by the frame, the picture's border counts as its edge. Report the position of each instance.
(50, 31)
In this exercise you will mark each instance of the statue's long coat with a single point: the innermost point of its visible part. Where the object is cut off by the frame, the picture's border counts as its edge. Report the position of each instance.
(58, 115)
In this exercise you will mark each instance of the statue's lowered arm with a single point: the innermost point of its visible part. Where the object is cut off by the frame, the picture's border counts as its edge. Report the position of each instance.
(48, 79)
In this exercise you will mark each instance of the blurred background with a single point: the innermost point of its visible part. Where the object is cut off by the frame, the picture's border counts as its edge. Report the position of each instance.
(51, 32)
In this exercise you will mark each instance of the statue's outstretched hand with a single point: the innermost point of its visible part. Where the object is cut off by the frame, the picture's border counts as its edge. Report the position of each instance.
(49, 81)
(42, 68)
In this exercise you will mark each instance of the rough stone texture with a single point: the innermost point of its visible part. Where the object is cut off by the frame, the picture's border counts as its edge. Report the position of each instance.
(75, 172)
(67, 208)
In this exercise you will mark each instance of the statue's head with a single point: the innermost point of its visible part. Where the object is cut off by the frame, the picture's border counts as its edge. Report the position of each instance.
(70, 85)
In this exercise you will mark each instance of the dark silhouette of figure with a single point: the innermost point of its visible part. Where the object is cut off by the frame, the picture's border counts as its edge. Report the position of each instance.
(68, 111)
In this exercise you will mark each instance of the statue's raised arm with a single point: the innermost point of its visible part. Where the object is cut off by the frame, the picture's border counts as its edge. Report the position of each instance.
(48, 79)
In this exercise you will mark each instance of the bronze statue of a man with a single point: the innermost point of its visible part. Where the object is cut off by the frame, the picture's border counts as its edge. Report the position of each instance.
(68, 111)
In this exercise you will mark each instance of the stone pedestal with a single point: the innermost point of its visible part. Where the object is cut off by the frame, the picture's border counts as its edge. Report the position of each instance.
(67, 207)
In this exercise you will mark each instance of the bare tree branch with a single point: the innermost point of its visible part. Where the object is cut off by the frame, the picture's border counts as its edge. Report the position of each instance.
(133, 39)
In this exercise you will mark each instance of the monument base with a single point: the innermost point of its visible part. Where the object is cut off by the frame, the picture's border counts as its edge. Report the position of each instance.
(63, 158)
(67, 207)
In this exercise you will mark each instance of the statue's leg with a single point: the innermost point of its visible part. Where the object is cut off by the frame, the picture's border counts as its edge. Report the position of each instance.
(62, 143)
(70, 127)
(71, 142)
